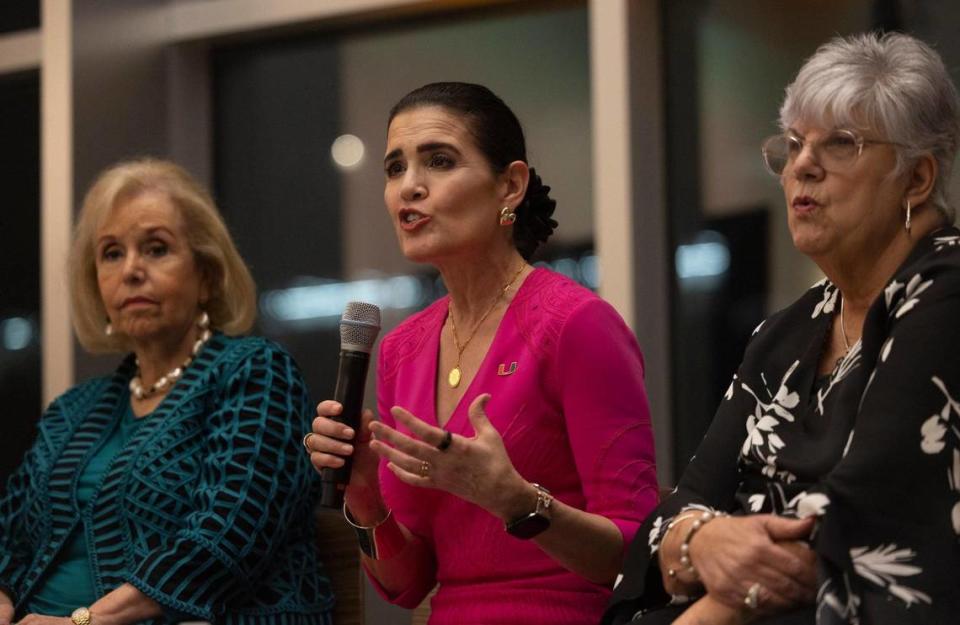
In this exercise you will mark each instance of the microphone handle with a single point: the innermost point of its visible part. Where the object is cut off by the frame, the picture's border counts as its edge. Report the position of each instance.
(351, 380)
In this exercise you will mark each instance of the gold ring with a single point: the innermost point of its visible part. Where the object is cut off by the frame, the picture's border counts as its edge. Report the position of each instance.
(306, 446)
(424, 469)
(752, 600)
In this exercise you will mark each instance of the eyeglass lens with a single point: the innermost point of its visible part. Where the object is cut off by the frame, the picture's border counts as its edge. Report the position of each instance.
(837, 150)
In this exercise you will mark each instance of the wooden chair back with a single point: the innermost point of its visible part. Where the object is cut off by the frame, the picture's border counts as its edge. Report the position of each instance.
(337, 544)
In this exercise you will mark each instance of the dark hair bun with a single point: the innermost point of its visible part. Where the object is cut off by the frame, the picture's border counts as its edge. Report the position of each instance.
(534, 223)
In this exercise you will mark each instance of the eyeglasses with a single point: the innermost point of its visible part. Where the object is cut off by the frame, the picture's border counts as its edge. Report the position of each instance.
(835, 152)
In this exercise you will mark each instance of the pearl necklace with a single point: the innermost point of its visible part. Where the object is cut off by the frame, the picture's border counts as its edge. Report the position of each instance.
(164, 382)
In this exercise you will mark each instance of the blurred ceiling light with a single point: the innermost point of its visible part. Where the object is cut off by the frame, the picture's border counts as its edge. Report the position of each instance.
(707, 256)
(17, 333)
(347, 151)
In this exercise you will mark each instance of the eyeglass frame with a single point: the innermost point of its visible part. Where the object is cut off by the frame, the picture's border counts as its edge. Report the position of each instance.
(859, 140)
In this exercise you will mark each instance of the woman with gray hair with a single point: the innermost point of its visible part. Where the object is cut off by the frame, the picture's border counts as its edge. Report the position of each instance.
(827, 488)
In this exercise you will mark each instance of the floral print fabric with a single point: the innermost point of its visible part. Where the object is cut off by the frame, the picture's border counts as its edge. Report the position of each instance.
(872, 450)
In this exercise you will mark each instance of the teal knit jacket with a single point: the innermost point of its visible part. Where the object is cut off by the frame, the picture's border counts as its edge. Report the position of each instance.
(207, 509)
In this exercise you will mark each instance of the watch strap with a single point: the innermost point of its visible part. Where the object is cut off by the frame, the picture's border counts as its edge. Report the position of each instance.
(533, 523)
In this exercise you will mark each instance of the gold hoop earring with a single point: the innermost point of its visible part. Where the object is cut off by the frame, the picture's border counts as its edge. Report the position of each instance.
(507, 216)
(906, 224)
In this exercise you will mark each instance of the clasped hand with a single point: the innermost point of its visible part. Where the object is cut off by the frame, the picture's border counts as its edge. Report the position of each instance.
(731, 554)
(476, 469)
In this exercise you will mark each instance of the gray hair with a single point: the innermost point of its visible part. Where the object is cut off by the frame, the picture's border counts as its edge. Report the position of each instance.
(891, 83)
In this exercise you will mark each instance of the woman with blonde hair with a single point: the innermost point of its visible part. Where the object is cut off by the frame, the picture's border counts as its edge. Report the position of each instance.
(173, 489)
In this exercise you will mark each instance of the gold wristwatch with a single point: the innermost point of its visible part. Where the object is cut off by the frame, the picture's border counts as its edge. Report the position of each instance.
(80, 616)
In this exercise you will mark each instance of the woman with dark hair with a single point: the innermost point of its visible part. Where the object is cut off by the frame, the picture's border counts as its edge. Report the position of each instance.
(513, 458)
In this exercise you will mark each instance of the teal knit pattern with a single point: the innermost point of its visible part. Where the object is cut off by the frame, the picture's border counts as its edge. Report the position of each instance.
(207, 509)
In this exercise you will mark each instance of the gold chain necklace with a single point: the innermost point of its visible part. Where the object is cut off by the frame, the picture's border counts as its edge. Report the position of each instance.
(453, 378)
(843, 330)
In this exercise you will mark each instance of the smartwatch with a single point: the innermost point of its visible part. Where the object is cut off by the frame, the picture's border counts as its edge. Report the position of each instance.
(533, 523)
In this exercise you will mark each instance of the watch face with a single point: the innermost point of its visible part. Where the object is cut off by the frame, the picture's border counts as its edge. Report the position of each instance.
(529, 526)
(81, 616)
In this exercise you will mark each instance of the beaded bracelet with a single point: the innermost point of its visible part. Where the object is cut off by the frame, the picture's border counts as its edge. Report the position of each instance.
(705, 517)
(680, 518)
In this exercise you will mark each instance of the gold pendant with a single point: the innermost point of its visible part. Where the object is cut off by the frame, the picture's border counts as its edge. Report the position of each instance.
(453, 379)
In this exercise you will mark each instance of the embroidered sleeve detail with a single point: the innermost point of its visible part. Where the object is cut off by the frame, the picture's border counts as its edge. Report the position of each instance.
(543, 307)
(599, 377)
(406, 341)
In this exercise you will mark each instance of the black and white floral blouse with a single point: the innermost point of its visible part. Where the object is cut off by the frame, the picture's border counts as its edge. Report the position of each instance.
(873, 450)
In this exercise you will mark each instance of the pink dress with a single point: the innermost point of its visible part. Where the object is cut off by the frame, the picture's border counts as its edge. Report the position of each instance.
(574, 417)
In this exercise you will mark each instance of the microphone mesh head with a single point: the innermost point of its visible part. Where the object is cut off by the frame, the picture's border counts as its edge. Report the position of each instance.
(359, 326)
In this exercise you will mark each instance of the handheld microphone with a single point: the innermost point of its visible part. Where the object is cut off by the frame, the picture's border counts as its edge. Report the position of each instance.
(359, 327)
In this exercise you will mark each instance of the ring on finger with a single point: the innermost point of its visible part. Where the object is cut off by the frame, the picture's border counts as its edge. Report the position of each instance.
(306, 445)
(444, 443)
(424, 469)
(752, 600)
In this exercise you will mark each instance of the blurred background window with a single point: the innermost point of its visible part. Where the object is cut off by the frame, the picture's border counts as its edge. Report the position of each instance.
(20, 368)
(19, 15)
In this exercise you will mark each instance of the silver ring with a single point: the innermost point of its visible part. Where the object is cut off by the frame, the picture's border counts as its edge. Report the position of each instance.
(306, 446)
(752, 600)
(424, 469)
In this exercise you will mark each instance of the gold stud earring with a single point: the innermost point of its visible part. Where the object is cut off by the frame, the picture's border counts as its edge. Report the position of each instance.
(507, 216)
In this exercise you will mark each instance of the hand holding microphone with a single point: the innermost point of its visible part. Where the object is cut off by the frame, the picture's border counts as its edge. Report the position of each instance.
(339, 441)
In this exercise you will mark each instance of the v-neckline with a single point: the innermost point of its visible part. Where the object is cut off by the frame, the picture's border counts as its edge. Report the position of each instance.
(435, 351)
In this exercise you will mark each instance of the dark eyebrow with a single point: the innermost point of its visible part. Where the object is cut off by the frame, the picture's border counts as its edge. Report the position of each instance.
(437, 145)
(392, 154)
(423, 147)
